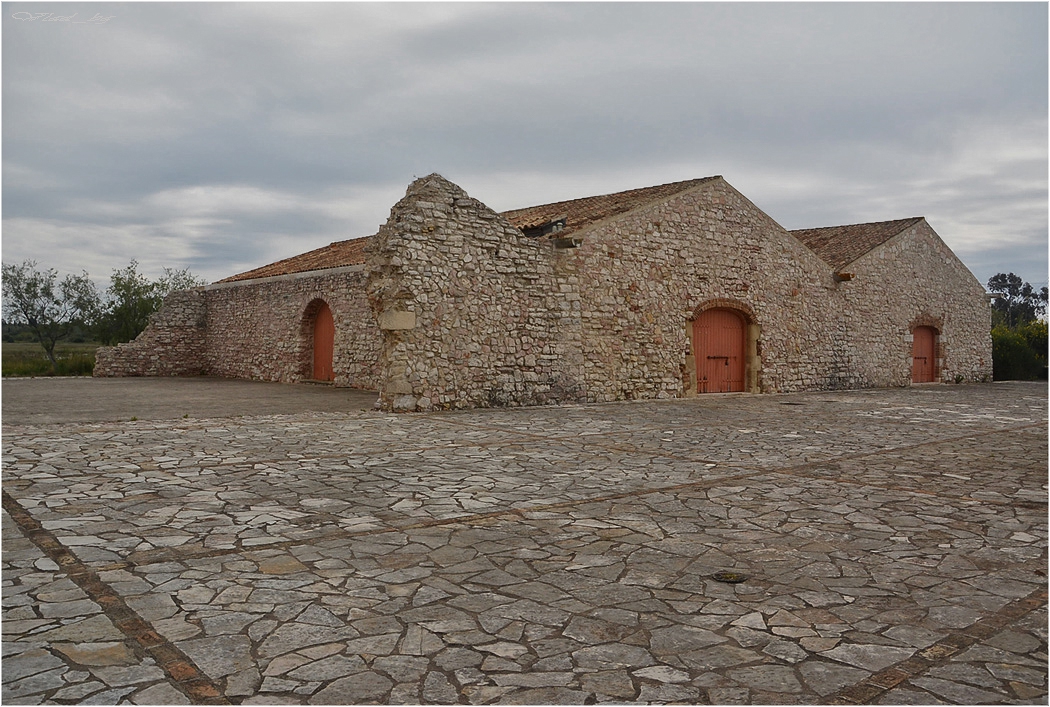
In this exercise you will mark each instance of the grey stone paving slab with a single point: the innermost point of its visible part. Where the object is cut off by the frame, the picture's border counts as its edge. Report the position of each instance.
(543, 555)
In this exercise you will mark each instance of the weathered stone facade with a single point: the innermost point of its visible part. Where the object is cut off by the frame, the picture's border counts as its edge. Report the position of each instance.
(255, 329)
(261, 329)
(459, 306)
(483, 316)
(910, 281)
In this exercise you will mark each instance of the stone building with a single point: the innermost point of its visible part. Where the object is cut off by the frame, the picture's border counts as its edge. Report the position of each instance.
(660, 292)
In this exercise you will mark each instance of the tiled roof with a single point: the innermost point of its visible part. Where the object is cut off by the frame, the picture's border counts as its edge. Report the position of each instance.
(334, 255)
(839, 246)
(579, 213)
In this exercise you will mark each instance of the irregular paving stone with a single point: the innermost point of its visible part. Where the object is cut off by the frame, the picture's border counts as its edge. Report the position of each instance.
(291, 636)
(1014, 642)
(786, 651)
(771, 678)
(678, 639)
(852, 555)
(108, 653)
(614, 683)
(107, 697)
(119, 675)
(219, 656)
(32, 684)
(366, 687)
(826, 678)
(80, 690)
(31, 662)
(246, 682)
(914, 635)
(1017, 673)
(754, 620)
(611, 656)
(437, 689)
(160, 694)
(327, 669)
(68, 609)
(867, 656)
(959, 693)
(545, 696)
(717, 657)
(904, 696)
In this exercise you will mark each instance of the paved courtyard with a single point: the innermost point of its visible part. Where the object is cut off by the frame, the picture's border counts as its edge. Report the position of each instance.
(892, 547)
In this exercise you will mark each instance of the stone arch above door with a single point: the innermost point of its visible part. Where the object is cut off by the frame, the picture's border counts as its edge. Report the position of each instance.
(743, 308)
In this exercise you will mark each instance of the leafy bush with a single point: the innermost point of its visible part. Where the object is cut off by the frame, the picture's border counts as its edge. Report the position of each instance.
(1013, 357)
(1035, 333)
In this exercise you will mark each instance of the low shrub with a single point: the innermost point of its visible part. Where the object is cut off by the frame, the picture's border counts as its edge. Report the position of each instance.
(1014, 357)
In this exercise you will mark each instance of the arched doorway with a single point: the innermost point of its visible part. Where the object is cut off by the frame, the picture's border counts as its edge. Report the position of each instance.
(924, 355)
(719, 347)
(323, 343)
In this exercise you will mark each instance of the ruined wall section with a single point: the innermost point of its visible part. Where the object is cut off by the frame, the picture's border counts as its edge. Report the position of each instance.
(255, 329)
(914, 279)
(643, 275)
(172, 344)
(261, 329)
(469, 307)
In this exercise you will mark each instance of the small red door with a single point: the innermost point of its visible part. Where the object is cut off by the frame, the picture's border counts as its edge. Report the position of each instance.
(324, 343)
(718, 345)
(923, 354)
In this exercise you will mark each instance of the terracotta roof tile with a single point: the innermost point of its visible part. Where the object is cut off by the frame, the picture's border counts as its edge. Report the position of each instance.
(579, 213)
(333, 255)
(839, 246)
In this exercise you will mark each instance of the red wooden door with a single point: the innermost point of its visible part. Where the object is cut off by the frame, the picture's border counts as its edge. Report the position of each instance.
(718, 345)
(324, 343)
(923, 354)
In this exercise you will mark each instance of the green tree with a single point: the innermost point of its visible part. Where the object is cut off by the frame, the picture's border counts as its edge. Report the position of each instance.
(1019, 336)
(131, 299)
(1017, 302)
(52, 309)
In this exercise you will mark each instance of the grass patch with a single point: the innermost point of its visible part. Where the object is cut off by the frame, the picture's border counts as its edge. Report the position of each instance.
(28, 359)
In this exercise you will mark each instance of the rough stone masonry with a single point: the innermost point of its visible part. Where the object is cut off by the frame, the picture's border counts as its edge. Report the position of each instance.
(458, 306)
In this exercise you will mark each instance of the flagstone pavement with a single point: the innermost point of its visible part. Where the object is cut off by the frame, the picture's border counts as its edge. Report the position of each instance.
(891, 546)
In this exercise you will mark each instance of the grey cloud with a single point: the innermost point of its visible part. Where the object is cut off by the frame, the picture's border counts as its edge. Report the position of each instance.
(820, 113)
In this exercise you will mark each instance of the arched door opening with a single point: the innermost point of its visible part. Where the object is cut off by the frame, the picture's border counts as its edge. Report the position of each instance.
(323, 343)
(719, 348)
(924, 355)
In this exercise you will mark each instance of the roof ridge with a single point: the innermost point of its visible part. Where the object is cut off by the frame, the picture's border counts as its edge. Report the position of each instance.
(638, 191)
(585, 211)
(310, 260)
(839, 246)
(911, 219)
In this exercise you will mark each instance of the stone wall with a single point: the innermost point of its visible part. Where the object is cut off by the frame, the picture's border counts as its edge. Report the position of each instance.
(458, 308)
(466, 305)
(474, 313)
(172, 344)
(915, 280)
(644, 276)
(255, 329)
(262, 329)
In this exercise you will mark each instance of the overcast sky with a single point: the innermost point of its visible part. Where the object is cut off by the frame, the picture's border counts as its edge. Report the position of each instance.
(221, 137)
